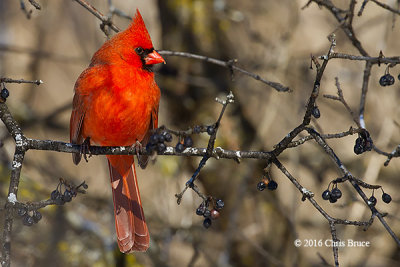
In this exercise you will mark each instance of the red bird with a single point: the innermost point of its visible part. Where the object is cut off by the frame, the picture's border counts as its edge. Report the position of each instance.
(116, 104)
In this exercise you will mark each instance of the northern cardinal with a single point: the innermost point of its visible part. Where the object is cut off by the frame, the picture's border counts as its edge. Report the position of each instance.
(116, 104)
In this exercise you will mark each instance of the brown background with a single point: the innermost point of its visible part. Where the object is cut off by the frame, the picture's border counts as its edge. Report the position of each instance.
(271, 38)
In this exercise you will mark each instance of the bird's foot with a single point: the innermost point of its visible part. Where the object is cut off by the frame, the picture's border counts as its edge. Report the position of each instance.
(138, 146)
(142, 159)
(85, 149)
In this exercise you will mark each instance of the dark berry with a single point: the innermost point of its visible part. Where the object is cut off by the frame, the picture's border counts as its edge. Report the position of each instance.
(386, 198)
(54, 194)
(210, 130)
(368, 144)
(358, 147)
(207, 223)
(161, 138)
(37, 216)
(67, 196)
(188, 141)
(167, 136)
(199, 212)
(150, 147)
(60, 200)
(332, 199)
(365, 134)
(272, 185)
(197, 129)
(201, 209)
(214, 214)
(372, 201)
(336, 193)
(85, 186)
(261, 186)
(390, 79)
(28, 220)
(326, 194)
(153, 139)
(219, 204)
(161, 147)
(179, 147)
(315, 112)
(207, 213)
(22, 211)
(4, 93)
(383, 81)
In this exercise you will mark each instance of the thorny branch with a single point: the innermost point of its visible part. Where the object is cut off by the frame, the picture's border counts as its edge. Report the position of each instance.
(345, 19)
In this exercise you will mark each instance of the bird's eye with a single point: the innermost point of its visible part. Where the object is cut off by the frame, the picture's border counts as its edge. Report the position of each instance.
(139, 50)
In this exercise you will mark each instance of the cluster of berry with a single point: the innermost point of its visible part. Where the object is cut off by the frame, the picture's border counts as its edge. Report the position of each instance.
(363, 143)
(198, 129)
(187, 142)
(385, 198)
(60, 198)
(387, 80)
(156, 142)
(266, 183)
(208, 214)
(29, 218)
(333, 195)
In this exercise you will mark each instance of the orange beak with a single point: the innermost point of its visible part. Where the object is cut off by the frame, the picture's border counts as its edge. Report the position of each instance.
(153, 58)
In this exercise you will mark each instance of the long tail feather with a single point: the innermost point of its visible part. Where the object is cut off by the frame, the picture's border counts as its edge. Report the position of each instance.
(130, 224)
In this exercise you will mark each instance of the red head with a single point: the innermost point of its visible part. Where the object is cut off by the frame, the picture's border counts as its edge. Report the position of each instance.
(133, 46)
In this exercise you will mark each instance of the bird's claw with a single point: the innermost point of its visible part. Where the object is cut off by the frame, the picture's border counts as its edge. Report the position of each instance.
(85, 149)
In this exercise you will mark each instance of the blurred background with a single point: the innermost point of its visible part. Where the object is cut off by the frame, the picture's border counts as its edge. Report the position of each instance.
(271, 38)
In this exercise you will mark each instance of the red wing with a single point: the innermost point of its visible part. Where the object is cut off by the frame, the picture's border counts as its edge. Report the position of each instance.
(90, 80)
(142, 159)
(76, 122)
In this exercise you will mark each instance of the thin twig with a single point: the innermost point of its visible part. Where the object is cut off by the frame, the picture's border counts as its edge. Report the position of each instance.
(35, 4)
(104, 19)
(372, 60)
(385, 6)
(9, 80)
(227, 64)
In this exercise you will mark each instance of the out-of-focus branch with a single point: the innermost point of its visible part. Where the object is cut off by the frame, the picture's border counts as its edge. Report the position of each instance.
(35, 4)
(228, 64)
(385, 6)
(27, 12)
(104, 19)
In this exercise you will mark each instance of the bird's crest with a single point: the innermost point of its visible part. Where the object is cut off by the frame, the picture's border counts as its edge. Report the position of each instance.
(139, 32)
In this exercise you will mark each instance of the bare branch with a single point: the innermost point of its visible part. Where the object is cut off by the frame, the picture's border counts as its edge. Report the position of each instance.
(104, 19)
(9, 80)
(227, 64)
(385, 6)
